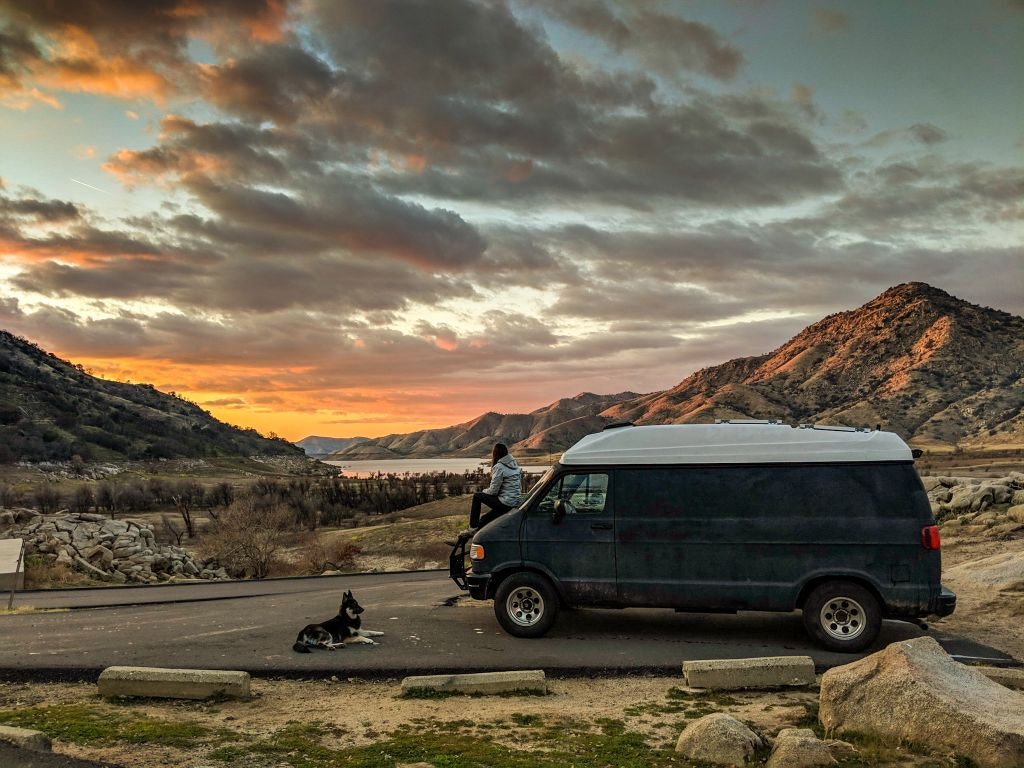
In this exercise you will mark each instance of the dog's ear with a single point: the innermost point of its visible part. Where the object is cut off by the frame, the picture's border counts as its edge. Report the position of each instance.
(348, 594)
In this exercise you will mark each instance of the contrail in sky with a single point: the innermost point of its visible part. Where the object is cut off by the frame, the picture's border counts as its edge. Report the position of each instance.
(90, 186)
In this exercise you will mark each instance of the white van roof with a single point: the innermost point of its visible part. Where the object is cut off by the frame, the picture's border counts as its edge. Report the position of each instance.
(736, 442)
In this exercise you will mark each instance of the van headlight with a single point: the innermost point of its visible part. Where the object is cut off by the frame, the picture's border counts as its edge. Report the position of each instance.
(476, 552)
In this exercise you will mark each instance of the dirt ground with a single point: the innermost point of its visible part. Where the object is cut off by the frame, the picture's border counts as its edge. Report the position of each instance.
(357, 713)
(991, 616)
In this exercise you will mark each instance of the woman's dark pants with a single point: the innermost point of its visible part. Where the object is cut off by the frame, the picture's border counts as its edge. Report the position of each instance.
(497, 509)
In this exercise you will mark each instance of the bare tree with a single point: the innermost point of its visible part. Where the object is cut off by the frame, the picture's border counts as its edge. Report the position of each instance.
(81, 499)
(172, 529)
(47, 498)
(185, 496)
(247, 535)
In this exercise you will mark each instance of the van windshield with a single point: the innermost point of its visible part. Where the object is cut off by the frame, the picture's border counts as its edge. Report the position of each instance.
(544, 480)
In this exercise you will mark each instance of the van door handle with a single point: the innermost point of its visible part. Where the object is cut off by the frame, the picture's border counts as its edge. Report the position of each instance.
(600, 526)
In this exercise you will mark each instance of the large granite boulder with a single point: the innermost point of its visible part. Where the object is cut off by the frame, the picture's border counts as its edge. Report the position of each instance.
(914, 691)
(719, 739)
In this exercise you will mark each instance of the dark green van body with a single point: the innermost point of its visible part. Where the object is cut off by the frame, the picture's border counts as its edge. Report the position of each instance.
(721, 537)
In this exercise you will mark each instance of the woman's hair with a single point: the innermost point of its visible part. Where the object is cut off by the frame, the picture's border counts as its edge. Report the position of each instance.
(500, 449)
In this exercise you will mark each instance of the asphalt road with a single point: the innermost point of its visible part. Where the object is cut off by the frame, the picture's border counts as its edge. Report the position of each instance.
(430, 628)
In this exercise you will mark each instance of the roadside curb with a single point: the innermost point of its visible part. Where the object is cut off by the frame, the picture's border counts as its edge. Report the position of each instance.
(23, 738)
(527, 680)
(763, 672)
(158, 683)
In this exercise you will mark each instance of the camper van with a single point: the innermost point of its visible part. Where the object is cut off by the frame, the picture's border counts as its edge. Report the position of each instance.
(753, 516)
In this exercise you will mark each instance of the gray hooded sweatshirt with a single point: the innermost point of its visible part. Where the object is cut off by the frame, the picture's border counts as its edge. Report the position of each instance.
(506, 481)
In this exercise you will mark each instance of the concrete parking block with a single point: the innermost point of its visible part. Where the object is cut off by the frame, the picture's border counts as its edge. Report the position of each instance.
(23, 738)
(764, 672)
(531, 680)
(1005, 676)
(154, 682)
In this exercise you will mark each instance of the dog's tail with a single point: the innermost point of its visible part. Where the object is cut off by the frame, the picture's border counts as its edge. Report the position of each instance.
(301, 647)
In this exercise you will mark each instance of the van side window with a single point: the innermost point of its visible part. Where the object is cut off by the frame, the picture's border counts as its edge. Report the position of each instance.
(584, 494)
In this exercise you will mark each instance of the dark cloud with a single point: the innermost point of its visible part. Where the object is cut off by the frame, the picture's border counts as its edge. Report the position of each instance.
(278, 82)
(927, 196)
(667, 43)
(350, 214)
(35, 209)
(17, 52)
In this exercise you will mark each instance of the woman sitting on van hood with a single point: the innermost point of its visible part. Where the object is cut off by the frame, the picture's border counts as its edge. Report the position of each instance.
(504, 492)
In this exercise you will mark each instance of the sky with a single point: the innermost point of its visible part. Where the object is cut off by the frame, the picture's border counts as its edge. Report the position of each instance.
(342, 218)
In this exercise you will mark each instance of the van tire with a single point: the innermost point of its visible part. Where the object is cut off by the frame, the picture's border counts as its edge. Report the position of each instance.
(842, 616)
(526, 605)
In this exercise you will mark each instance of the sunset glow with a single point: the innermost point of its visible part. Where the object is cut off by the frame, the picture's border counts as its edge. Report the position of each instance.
(346, 218)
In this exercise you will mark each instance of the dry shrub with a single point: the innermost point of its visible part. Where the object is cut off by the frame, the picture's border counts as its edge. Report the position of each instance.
(315, 557)
(246, 536)
(43, 573)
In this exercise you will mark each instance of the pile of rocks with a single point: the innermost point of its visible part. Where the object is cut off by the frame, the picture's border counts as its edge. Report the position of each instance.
(121, 551)
(912, 693)
(972, 507)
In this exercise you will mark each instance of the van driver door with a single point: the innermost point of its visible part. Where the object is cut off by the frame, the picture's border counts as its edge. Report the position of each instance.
(577, 543)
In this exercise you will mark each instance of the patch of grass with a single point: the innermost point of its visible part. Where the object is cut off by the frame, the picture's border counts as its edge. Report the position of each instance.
(447, 745)
(43, 573)
(692, 704)
(428, 693)
(23, 609)
(527, 721)
(873, 751)
(82, 724)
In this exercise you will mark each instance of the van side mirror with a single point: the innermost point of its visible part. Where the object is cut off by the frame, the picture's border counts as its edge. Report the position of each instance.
(558, 512)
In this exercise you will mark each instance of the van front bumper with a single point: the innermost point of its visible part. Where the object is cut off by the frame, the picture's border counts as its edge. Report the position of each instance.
(945, 603)
(477, 584)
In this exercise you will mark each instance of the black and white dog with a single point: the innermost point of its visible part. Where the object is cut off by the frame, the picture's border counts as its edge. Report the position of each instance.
(334, 633)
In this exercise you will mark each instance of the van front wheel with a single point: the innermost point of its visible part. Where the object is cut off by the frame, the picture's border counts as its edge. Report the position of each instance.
(842, 616)
(526, 605)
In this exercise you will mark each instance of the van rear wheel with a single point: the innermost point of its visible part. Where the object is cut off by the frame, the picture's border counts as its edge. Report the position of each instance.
(842, 616)
(526, 605)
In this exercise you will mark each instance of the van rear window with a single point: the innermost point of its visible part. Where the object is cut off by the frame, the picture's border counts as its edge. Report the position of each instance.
(855, 490)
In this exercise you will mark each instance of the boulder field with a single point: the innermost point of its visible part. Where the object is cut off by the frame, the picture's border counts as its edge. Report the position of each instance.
(119, 551)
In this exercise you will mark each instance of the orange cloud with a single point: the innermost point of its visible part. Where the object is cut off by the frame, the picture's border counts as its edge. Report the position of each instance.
(80, 65)
(268, 27)
(21, 100)
(131, 167)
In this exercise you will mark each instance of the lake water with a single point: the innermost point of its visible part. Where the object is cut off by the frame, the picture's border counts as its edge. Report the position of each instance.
(421, 466)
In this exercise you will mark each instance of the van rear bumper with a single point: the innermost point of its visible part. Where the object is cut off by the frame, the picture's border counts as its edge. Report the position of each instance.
(945, 603)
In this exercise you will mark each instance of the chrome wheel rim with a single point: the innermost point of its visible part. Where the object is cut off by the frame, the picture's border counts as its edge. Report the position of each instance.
(524, 606)
(842, 618)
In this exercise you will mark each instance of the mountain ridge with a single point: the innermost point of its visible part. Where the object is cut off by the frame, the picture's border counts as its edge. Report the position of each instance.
(51, 409)
(936, 369)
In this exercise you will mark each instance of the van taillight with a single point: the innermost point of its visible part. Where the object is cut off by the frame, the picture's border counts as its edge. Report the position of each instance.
(930, 537)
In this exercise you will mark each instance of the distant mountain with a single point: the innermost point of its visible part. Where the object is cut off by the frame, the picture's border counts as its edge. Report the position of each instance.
(51, 409)
(321, 446)
(915, 360)
(545, 430)
(922, 363)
